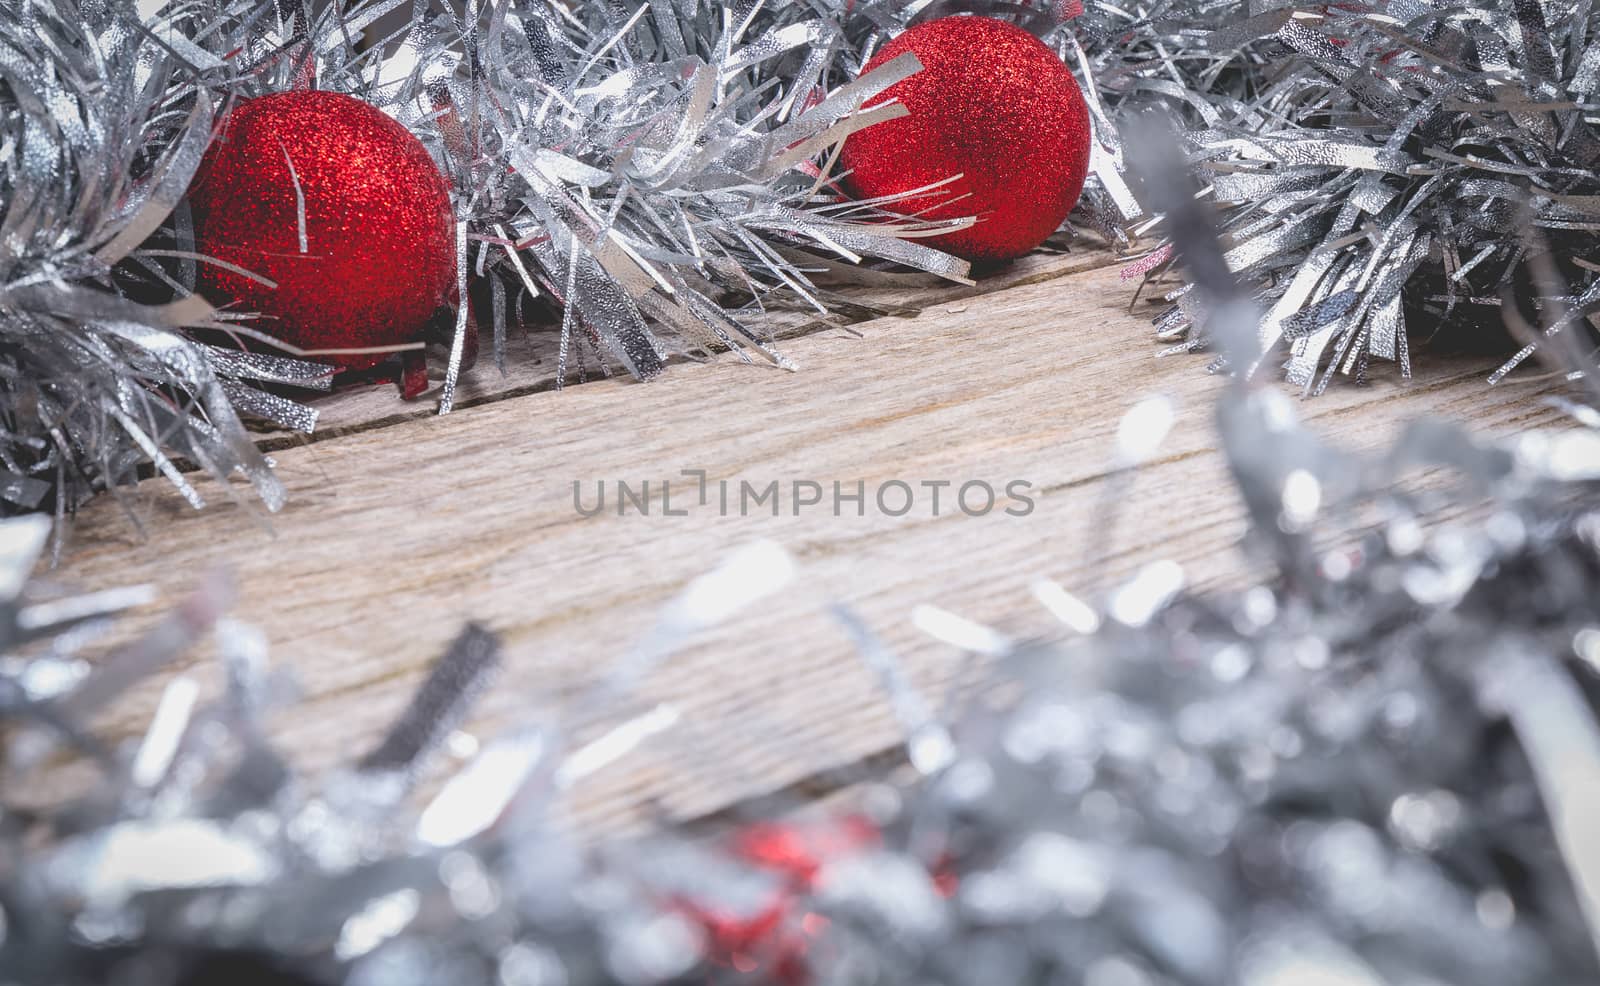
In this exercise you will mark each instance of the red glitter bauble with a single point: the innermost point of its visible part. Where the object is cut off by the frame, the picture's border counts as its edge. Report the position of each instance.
(993, 105)
(337, 204)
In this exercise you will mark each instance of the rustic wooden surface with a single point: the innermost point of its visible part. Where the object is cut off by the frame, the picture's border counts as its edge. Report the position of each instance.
(403, 525)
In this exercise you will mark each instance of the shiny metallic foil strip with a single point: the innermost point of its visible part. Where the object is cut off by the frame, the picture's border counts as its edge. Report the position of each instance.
(1384, 170)
(104, 113)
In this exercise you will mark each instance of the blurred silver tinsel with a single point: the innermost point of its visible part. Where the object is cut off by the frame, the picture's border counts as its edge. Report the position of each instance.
(1377, 764)
(1381, 167)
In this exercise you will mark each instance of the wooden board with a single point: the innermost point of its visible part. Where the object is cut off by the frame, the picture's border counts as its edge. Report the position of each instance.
(396, 535)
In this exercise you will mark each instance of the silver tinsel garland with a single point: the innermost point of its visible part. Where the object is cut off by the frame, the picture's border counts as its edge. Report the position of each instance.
(1381, 167)
(102, 122)
(653, 168)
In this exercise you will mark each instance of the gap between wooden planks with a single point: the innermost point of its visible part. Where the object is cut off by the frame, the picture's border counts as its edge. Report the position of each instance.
(393, 537)
(531, 355)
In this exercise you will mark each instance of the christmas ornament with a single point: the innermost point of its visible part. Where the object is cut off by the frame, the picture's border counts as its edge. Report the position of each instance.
(993, 106)
(340, 217)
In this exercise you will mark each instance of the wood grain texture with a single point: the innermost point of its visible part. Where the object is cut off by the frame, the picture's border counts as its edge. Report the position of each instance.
(394, 536)
(531, 353)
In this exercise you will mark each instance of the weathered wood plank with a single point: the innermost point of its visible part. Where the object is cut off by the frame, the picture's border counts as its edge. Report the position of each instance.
(395, 536)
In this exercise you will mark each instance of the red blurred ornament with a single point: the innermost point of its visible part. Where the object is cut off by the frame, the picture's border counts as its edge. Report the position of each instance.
(773, 941)
(340, 206)
(993, 105)
(798, 852)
